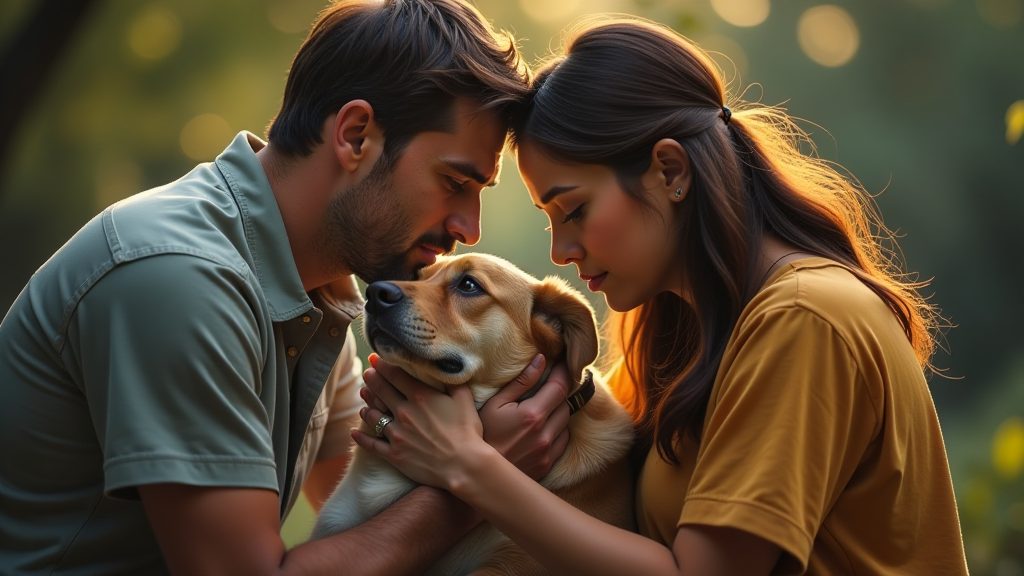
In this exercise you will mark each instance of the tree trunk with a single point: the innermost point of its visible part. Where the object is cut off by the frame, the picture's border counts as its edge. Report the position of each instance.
(30, 59)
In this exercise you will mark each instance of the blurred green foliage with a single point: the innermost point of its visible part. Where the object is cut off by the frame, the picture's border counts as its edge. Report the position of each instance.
(928, 109)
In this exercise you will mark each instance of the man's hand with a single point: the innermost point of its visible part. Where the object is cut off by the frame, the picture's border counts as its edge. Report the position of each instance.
(531, 434)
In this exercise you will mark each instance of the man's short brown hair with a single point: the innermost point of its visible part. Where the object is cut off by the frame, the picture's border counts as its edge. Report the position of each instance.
(410, 59)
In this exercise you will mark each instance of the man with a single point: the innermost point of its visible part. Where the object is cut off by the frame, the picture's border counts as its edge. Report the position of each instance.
(169, 376)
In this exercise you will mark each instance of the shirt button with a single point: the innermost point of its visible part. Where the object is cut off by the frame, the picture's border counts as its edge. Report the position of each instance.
(306, 319)
(334, 332)
(293, 351)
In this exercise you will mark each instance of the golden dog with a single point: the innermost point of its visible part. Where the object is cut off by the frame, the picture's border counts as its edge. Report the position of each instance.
(477, 320)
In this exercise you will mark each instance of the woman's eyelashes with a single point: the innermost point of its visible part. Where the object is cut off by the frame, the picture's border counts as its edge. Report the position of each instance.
(574, 215)
(570, 217)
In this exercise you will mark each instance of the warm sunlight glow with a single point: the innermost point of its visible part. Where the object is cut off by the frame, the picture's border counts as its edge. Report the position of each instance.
(1001, 13)
(293, 16)
(1008, 448)
(116, 178)
(205, 136)
(1015, 122)
(155, 33)
(728, 54)
(744, 13)
(828, 35)
(550, 10)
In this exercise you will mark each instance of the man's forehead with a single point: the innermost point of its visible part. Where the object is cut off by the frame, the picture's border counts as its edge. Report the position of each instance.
(471, 145)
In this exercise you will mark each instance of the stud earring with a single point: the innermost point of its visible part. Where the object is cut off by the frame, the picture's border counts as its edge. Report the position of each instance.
(679, 193)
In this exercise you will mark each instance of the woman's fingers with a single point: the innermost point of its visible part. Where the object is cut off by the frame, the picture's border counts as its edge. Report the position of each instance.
(382, 389)
(377, 445)
(523, 383)
(558, 422)
(372, 417)
(372, 444)
(554, 391)
(371, 399)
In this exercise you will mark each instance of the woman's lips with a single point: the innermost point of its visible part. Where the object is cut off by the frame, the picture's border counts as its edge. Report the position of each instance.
(594, 282)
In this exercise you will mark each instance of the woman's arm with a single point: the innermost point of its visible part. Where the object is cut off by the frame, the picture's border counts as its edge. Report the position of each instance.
(437, 439)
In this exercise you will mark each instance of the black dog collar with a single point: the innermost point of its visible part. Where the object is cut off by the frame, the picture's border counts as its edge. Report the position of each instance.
(576, 400)
(583, 394)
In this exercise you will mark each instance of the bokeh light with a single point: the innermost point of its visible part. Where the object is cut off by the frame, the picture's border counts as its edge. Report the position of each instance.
(1015, 122)
(155, 33)
(205, 136)
(549, 11)
(117, 178)
(743, 13)
(1008, 448)
(828, 35)
(1001, 13)
(727, 53)
(293, 16)
(1015, 516)
(929, 4)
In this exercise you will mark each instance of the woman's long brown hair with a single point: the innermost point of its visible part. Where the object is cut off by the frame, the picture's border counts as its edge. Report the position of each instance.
(621, 86)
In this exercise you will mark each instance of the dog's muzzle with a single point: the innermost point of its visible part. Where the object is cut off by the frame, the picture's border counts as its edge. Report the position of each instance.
(381, 296)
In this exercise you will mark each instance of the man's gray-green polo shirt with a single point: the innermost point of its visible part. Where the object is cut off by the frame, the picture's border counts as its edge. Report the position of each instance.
(170, 340)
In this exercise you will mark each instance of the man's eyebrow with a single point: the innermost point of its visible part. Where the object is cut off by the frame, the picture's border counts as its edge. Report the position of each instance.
(555, 191)
(469, 171)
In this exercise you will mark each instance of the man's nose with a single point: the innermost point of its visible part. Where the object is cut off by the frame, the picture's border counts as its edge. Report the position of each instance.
(382, 295)
(464, 225)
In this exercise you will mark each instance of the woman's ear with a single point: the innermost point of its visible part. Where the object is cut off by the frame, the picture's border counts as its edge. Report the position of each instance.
(670, 174)
(355, 136)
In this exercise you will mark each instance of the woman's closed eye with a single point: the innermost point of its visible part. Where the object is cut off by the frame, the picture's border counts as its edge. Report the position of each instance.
(574, 215)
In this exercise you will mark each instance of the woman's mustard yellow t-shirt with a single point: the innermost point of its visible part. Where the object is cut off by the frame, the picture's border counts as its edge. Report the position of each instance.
(820, 436)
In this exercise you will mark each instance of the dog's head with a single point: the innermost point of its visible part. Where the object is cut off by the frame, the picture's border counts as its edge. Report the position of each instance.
(477, 319)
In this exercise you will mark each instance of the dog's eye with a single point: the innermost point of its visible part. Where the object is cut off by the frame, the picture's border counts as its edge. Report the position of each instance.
(469, 285)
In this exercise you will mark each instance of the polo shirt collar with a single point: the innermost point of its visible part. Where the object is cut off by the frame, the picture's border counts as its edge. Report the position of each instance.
(264, 227)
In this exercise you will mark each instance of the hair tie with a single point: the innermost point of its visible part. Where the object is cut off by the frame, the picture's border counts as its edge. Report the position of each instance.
(726, 114)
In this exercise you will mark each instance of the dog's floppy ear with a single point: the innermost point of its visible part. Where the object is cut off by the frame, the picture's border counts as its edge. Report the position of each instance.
(563, 320)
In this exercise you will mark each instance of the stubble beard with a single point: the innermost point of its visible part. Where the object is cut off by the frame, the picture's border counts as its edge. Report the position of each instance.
(366, 231)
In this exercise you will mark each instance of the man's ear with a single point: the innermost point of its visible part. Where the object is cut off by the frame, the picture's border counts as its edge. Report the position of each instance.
(355, 136)
(562, 320)
(669, 173)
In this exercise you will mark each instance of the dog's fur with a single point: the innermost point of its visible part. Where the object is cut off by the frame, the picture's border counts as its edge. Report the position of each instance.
(443, 335)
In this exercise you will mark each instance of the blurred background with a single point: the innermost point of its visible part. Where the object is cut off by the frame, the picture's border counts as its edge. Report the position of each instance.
(922, 100)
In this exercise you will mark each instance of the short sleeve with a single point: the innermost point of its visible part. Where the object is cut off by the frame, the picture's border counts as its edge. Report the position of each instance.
(170, 353)
(346, 379)
(789, 420)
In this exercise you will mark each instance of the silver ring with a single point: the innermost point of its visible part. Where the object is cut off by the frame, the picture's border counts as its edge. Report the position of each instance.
(384, 421)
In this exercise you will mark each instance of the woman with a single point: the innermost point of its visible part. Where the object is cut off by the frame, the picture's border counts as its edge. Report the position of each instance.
(769, 349)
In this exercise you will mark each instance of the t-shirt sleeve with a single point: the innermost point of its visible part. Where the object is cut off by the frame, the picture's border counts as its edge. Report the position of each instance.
(346, 379)
(791, 420)
(170, 355)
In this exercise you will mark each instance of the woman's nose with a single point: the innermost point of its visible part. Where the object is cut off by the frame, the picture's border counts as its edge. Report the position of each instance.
(565, 250)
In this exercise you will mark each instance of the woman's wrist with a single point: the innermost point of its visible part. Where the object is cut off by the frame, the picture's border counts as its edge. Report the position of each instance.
(473, 462)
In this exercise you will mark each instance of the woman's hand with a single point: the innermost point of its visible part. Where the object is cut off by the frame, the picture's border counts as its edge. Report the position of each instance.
(432, 433)
(531, 434)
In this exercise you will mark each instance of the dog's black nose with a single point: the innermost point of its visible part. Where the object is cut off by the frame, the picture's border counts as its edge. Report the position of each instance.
(382, 295)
